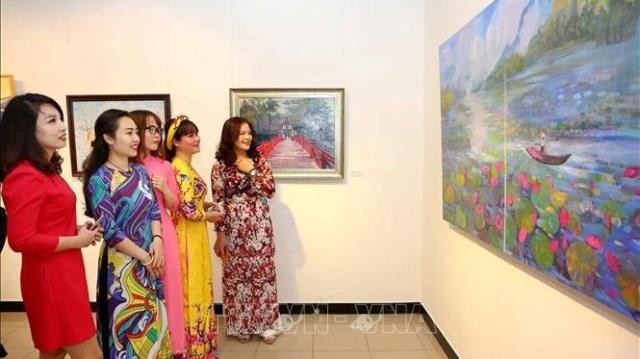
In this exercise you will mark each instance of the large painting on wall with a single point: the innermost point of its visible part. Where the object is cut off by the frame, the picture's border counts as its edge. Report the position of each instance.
(540, 104)
(83, 110)
(298, 130)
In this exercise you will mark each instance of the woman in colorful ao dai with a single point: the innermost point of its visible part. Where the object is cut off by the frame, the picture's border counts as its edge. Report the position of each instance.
(132, 317)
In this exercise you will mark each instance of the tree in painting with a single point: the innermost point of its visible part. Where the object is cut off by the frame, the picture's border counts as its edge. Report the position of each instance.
(293, 132)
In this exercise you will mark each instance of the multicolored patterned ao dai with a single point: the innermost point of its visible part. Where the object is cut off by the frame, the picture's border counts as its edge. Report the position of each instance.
(132, 318)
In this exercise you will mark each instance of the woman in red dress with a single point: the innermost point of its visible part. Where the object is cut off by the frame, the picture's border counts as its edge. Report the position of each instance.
(42, 226)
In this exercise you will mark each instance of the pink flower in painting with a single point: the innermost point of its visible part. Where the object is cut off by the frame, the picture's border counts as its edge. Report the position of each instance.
(612, 262)
(593, 241)
(522, 235)
(564, 218)
(631, 172)
(479, 209)
(534, 217)
(485, 169)
(474, 197)
(574, 183)
(553, 245)
(510, 199)
(499, 222)
(524, 180)
(499, 166)
(535, 186)
(613, 293)
(493, 181)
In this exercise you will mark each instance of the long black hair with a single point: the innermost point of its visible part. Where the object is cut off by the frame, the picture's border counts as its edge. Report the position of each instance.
(230, 131)
(106, 124)
(18, 135)
(186, 127)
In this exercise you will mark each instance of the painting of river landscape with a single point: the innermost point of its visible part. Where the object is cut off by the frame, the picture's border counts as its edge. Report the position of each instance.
(298, 130)
(540, 104)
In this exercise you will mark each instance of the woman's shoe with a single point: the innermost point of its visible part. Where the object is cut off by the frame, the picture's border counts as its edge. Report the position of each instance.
(244, 338)
(269, 336)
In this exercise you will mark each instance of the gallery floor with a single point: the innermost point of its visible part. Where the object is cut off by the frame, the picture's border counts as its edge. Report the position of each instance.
(306, 337)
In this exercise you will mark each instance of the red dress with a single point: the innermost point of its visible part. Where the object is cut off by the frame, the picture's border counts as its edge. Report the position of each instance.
(41, 208)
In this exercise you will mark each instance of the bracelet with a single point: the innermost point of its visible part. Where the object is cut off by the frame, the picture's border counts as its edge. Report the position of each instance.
(157, 235)
(150, 260)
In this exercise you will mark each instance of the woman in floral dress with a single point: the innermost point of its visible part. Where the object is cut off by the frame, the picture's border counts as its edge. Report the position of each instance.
(242, 182)
(182, 142)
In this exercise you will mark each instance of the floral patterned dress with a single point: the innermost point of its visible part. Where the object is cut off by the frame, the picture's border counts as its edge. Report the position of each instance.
(195, 262)
(249, 287)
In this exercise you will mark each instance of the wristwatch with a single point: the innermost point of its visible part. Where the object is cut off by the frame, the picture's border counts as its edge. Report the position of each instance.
(253, 172)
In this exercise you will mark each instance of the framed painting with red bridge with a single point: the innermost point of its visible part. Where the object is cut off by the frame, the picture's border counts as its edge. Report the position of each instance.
(299, 131)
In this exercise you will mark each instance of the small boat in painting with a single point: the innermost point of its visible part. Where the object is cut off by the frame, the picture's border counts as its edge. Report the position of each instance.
(546, 159)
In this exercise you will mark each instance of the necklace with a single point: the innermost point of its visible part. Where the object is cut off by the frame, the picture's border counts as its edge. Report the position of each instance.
(242, 159)
(120, 169)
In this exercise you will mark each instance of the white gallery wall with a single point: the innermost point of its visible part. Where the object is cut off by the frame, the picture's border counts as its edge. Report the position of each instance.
(486, 304)
(358, 240)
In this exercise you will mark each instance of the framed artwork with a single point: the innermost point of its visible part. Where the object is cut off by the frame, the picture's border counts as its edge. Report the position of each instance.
(83, 110)
(300, 131)
(541, 140)
(7, 87)
(7, 91)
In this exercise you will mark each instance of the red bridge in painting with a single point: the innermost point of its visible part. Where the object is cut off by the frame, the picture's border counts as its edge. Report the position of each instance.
(296, 152)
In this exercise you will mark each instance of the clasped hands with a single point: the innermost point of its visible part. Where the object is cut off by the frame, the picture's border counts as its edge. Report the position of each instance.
(90, 233)
(155, 257)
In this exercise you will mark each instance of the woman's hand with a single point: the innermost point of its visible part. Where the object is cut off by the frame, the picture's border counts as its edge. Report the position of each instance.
(244, 164)
(212, 216)
(220, 247)
(159, 183)
(88, 224)
(147, 262)
(156, 250)
(88, 234)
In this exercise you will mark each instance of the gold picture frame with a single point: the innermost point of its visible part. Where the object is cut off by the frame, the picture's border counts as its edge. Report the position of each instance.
(7, 87)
